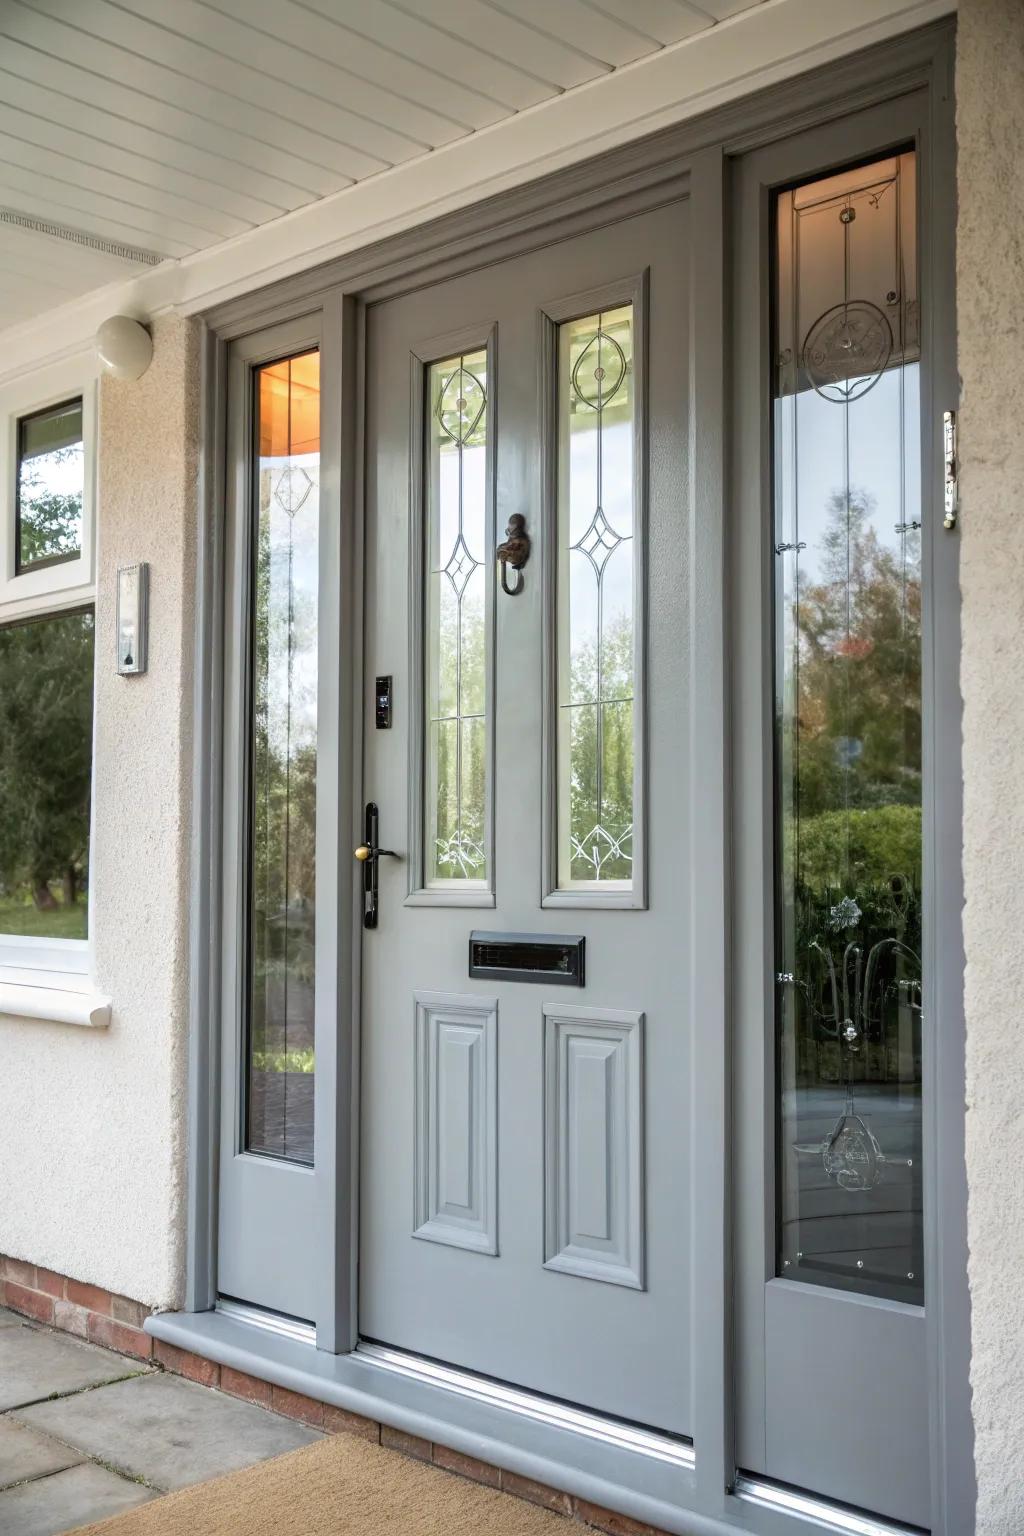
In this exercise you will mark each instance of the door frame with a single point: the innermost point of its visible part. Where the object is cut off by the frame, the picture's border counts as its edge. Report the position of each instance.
(913, 119)
(693, 159)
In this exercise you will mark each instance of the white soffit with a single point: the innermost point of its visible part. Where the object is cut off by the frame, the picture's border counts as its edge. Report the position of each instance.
(197, 149)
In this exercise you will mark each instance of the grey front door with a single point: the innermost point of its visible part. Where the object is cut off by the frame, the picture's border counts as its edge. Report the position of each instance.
(525, 1148)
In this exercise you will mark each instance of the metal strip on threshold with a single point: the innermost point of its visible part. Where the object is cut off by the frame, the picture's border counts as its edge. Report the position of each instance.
(270, 1322)
(830, 1517)
(545, 1411)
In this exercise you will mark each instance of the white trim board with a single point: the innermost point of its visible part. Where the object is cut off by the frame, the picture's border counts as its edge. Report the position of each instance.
(757, 48)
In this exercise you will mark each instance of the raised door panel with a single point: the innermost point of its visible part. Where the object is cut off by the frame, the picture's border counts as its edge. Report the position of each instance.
(456, 1144)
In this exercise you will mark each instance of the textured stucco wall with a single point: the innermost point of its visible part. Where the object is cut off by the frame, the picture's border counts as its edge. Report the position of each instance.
(990, 298)
(92, 1122)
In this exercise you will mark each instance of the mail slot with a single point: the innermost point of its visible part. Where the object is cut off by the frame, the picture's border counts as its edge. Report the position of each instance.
(555, 958)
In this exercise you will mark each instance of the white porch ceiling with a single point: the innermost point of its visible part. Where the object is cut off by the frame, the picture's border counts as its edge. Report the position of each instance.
(169, 153)
(168, 126)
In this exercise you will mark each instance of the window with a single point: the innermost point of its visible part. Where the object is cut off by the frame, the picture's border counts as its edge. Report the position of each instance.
(457, 662)
(47, 637)
(283, 705)
(49, 505)
(597, 619)
(46, 690)
(847, 552)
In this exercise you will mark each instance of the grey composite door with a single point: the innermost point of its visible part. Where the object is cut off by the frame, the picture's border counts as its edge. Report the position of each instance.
(525, 1160)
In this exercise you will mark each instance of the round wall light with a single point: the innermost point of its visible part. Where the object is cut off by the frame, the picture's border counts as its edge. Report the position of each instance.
(124, 347)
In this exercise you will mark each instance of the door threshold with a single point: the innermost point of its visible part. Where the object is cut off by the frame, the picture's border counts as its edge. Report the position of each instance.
(271, 1322)
(546, 1410)
(846, 1521)
(638, 1473)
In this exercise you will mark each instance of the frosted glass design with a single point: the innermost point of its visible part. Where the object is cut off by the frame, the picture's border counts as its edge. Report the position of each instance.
(847, 551)
(596, 642)
(456, 648)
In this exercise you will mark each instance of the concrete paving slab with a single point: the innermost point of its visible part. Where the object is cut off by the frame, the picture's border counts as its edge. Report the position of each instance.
(168, 1431)
(9, 1319)
(36, 1363)
(68, 1499)
(25, 1453)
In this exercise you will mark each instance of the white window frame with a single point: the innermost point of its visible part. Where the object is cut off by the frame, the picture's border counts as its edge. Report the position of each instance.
(58, 965)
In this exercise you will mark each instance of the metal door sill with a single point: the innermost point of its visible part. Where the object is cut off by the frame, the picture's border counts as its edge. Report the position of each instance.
(639, 1473)
(271, 1322)
(821, 1512)
(545, 1410)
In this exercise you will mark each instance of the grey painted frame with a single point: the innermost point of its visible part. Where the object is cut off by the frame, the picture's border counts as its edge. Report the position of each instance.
(921, 117)
(697, 155)
(427, 352)
(635, 291)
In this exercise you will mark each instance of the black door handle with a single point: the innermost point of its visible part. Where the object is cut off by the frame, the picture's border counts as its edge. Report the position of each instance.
(369, 853)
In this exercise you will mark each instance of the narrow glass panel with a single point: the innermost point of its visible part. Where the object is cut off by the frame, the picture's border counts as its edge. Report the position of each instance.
(456, 615)
(46, 687)
(51, 486)
(284, 725)
(596, 637)
(847, 547)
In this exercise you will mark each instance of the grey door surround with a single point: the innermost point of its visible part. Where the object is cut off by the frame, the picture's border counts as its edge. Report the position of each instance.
(696, 159)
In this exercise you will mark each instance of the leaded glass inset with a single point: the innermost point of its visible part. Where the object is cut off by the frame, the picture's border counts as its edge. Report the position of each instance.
(456, 648)
(847, 549)
(596, 619)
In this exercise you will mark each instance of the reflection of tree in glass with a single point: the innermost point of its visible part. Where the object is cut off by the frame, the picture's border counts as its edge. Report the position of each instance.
(49, 521)
(601, 817)
(852, 840)
(46, 687)
(461, 746)
(284, 778)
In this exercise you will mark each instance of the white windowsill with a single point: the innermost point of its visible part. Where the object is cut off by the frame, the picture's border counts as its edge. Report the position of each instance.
(60, 997)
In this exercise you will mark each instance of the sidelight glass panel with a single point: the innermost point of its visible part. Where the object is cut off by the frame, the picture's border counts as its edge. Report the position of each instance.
(50, 487)
(284, 746)
(847, 552)
(456, 616)
(596, 627)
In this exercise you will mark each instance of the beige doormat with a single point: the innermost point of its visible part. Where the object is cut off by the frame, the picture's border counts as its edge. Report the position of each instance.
(342, 1486)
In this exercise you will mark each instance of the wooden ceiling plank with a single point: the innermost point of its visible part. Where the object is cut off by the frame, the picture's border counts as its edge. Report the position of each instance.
(668, 21)
(335, 134)
(166, 100)
(152, 229)
(721, 10)
(63, 259)
(230, 183)
(580, 25)
(81, 173)
(501, 35)
(386, 115)
(162, 181)
(396, 26)
(41, 199)
(410, 80)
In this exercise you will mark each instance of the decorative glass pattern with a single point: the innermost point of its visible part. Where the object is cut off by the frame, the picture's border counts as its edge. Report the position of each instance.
(284, 750)
(50, 486)
(456, 651)
(847, 547)
(596, 619)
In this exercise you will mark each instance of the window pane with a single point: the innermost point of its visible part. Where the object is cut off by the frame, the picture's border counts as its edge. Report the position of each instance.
(46, 687)
(596, 635)
(51, 483)
(284, 724)
(456, 614)
(848, 753)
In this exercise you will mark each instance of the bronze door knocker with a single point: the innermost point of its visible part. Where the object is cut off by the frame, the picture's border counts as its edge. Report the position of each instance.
(514, 552)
